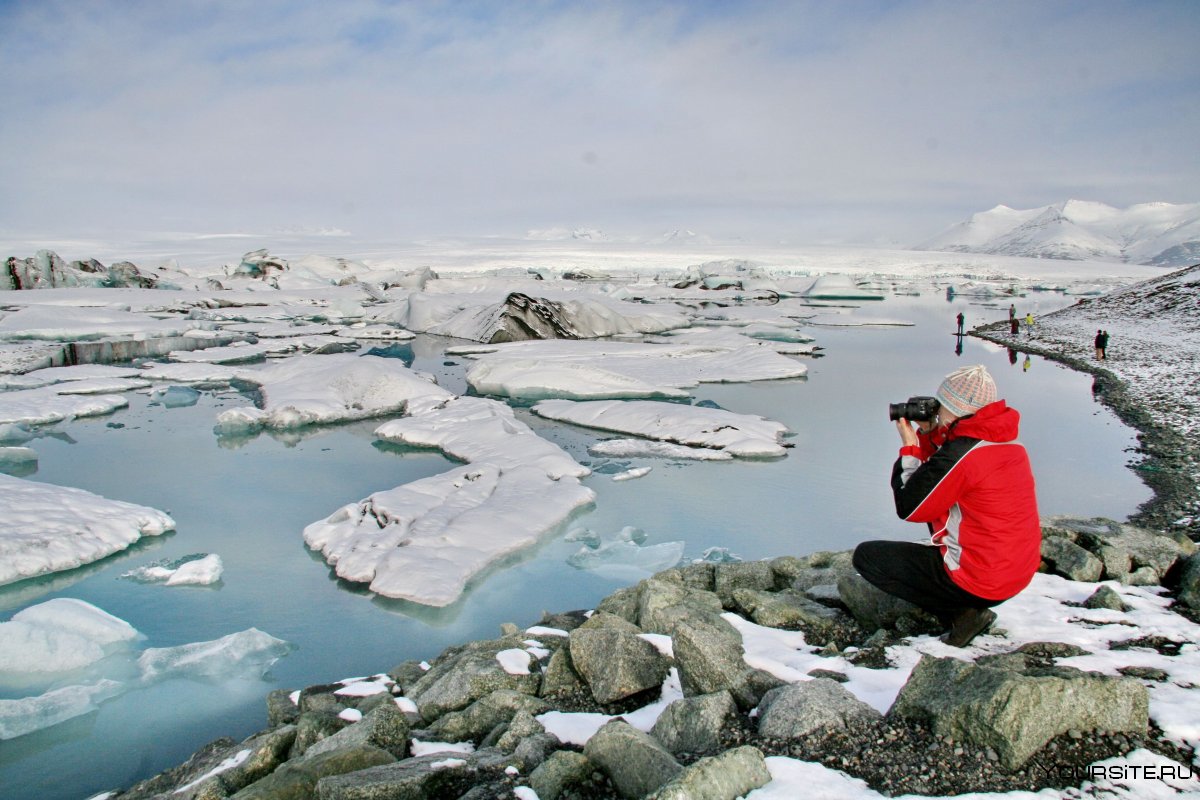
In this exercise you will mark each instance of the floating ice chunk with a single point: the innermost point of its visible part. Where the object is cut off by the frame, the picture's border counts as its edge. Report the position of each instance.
(643, 448)
(176, 397)
(630, 474)
(309, 390)
(627, 559)
(15, 433)
(248, 652)
(60, 635)
(538, 380)
(195, 570)
(840, 287)
(236, 353)
(719, 555)
(45, 528)
(29, 714)
(424, 540)
(514, 661)
(11, 457)
(738, 434)
(79, 372)
(101, 386)
(476, 429)
(46, 405)
(379, 331)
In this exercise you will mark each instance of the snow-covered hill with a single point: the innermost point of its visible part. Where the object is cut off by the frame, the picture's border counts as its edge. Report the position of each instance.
(1162, 234)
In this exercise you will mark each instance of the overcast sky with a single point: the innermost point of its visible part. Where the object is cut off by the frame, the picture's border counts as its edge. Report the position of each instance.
(856, 122)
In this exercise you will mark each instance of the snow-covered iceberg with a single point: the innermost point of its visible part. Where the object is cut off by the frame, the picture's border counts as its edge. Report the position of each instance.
(312, 390)
(195, 570)
(46, 528)
(743, 435)
(47, 404)
(60, 635)
(73, 324)
(423, 541)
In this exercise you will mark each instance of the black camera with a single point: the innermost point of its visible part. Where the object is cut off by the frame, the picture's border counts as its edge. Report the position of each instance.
(915, 409)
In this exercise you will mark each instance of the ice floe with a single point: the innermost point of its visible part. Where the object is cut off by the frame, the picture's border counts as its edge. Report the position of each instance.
(24, 715)
(196, 570)
(425, 540)
(645, 448)
(74, 324)
(313, 390)
(46, 528)
(59, 635)
(45, 405)
(742, 435)
(245, 653)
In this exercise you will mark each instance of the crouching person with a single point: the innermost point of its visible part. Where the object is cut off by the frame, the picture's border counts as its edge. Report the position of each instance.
(962, 472)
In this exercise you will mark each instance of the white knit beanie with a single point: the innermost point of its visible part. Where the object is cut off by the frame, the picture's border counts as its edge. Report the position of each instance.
(967, 390)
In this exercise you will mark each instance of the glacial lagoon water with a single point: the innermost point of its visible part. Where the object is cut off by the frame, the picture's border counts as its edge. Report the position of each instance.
(248, 501)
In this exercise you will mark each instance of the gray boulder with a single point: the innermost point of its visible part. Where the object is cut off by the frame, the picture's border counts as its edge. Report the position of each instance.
(1189, 582)
(635, 763)
(791, 610)
(622, 603)
(871, 606)
(189, 782)
(1016, 714)
(385, 727)
(1147, 549)
(560, 677)
(561, 771)
(280, 708)
(1070, 560)
(753, 575)
(613, 659)
(476, 720)
(297, 779)
(693, 724)
(463, 675)
(708, 655)
(662, 603)
(1105, 597)
(816, 569)
(798, 709)
(313, 727)
(436, 775)
(726, 776)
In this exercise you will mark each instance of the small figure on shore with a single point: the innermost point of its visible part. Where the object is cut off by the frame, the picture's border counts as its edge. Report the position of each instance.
(1029, 324)
(961, 318)
(978, 502)
(1012, 312)
(1102, 345)
(1013, 326)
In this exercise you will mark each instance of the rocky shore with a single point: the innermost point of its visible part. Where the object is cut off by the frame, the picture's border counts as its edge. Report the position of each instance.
(702, 681)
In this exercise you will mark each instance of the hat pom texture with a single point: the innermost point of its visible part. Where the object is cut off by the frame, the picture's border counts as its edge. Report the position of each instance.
(966, 390)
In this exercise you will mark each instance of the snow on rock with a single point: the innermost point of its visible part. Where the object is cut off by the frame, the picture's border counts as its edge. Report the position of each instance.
(45, 528)
(475, 429)
(514, 661)
(743, 435)
(248, 652)
(60, 635)
(45, 405)
(609, 370)
(312, 390)
(424, 540)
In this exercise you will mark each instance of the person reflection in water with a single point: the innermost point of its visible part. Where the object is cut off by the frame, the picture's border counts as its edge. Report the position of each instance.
(964, 475)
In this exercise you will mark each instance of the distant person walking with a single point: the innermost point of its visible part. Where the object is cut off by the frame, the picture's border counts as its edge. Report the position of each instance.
(1013, 326)
(1099, 345)
(1103, 343)
(961, 318)
(1012, 312)
(1029, 324)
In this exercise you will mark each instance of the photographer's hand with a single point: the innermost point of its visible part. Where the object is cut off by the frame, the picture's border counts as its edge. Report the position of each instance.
(908, 437)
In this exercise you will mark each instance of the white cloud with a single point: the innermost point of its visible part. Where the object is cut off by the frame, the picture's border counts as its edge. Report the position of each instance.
(762, 119)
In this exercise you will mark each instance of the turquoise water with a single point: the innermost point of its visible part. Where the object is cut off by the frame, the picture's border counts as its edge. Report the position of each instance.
(249, 500)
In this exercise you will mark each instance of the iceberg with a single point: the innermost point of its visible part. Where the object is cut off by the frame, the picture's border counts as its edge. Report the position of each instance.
(30, 714)
(475, 429)
(643, 448)
(311, 390)
(539, 380)
(743, 435)
(194, 570)
(45, 528)
(73, 324)
(60, 635)
(46, 405)
(246, 653)
(423, 541)
(192, 373)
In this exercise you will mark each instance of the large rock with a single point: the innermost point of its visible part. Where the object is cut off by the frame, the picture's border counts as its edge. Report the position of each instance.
(635, 763)
(708, 654)
(694, 724)
(662, 603)
(1016, 714)
(1070, 560)
(798, 709)
(560, 678)
(297, 779)
(478, 719)
(1147, 549)
(385, 727)
(791, 610)
(425, 777)
(614, 660)
(726, 776)
(871, 606)
(463, 675)
(729, 578)
(561, 771)
(817, 569)
(1189, 582)
(255, 758)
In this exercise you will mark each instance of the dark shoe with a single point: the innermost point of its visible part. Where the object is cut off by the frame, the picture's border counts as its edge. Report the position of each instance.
(968, 624)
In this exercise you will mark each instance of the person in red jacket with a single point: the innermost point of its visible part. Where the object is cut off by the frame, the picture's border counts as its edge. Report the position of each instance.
(965, 475)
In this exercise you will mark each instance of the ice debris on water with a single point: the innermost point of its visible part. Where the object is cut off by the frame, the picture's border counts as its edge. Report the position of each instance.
(718, 555)
(198, 569)
(248, 652)
(623, 555)
(60, 635)
(176, 397)
(29, 714)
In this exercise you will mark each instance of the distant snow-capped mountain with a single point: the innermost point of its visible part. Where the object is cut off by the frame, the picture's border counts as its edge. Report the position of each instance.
(1162, 234)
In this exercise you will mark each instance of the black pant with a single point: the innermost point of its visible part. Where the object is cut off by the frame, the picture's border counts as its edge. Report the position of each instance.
(914, 572)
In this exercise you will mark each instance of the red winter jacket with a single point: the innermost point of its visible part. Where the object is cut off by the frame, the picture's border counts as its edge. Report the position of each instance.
(974, 487)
